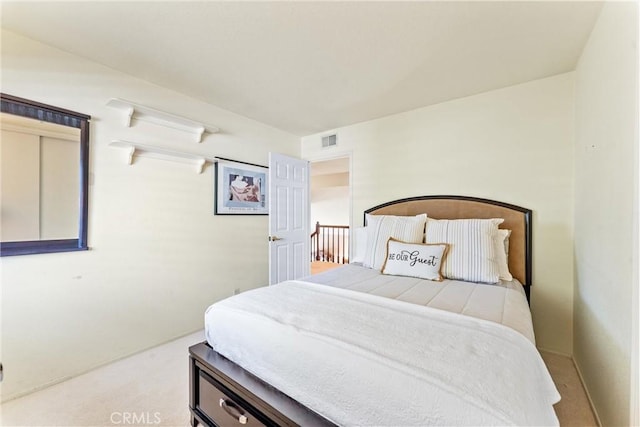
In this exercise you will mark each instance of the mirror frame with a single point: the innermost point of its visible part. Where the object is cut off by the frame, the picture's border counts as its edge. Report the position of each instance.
(47, 113)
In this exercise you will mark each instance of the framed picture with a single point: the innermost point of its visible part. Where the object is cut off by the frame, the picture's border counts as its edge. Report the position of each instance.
(240, 188)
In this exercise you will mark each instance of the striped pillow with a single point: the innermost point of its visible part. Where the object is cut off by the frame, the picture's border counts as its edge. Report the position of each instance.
(380, 228)
(501, 244)
(471, 255)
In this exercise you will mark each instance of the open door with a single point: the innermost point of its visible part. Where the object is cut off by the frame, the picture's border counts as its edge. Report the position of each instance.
(288, 218)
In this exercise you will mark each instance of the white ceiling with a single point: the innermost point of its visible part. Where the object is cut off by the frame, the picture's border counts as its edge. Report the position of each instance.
(307, 67)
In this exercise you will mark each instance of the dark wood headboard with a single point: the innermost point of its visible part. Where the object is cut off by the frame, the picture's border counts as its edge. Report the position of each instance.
(516, 218)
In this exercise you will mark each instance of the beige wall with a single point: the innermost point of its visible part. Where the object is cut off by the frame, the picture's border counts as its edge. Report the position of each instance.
(513, 145)
(330, 199)
(158, 255)
(606, 209)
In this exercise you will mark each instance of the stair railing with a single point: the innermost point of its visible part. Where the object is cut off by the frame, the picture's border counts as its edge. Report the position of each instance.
(330, 243)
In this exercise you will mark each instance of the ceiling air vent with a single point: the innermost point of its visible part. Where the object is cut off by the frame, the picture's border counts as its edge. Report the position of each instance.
(329, 141)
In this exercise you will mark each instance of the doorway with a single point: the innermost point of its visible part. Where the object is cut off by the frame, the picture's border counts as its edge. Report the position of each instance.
(330, 213)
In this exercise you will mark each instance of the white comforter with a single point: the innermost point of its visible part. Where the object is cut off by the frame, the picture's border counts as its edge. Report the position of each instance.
(360, 359)
(503, 303)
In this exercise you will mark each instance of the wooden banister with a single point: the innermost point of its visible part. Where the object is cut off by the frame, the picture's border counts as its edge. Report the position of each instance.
(330, 243)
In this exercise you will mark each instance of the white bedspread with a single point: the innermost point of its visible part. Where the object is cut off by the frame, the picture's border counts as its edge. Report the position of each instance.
(503, 303)
(360, 359)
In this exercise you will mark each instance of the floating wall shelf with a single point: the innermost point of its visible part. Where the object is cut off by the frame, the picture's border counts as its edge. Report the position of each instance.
(135, 149)
(140, 112)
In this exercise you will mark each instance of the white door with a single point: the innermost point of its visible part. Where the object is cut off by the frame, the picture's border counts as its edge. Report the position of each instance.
(288, 218)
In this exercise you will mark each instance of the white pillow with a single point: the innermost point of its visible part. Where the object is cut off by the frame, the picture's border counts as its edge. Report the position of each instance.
(359, 244)
(501, 245)
(380, 228)
(471, 253)
(415, 259)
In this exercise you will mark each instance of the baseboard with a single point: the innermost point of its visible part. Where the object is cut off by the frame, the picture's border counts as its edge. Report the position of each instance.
(584, 386)
(558, 353)
(586, 391)
(55, 381)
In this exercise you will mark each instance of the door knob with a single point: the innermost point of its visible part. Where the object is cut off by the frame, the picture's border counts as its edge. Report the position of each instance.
(274, 238)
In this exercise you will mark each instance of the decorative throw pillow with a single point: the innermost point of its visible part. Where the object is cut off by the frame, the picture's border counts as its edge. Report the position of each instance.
(380, 228)
(471, 252)
(501, 246)
(415, 259)
(359, 244)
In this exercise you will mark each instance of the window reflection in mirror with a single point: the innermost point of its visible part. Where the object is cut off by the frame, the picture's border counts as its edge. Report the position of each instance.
(43, 178)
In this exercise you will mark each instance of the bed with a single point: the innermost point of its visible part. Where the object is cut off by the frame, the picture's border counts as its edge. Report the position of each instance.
(354, 346)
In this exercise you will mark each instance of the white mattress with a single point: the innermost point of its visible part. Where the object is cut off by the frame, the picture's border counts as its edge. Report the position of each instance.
(503, 303)
(359, 359)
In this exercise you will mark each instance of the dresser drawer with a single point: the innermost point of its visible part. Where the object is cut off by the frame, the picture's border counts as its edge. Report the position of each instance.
(223, 409)
(213, 377)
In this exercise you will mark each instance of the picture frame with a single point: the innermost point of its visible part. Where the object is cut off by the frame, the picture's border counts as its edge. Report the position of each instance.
(240, 188)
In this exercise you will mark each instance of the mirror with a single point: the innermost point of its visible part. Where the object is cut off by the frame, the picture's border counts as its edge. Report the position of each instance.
(44, 155)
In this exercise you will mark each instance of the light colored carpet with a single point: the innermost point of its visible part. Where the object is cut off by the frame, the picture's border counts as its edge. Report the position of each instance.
(573, 409)
(152, 389)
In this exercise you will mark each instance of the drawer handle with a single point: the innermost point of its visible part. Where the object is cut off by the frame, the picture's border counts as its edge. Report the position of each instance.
(233, 410)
